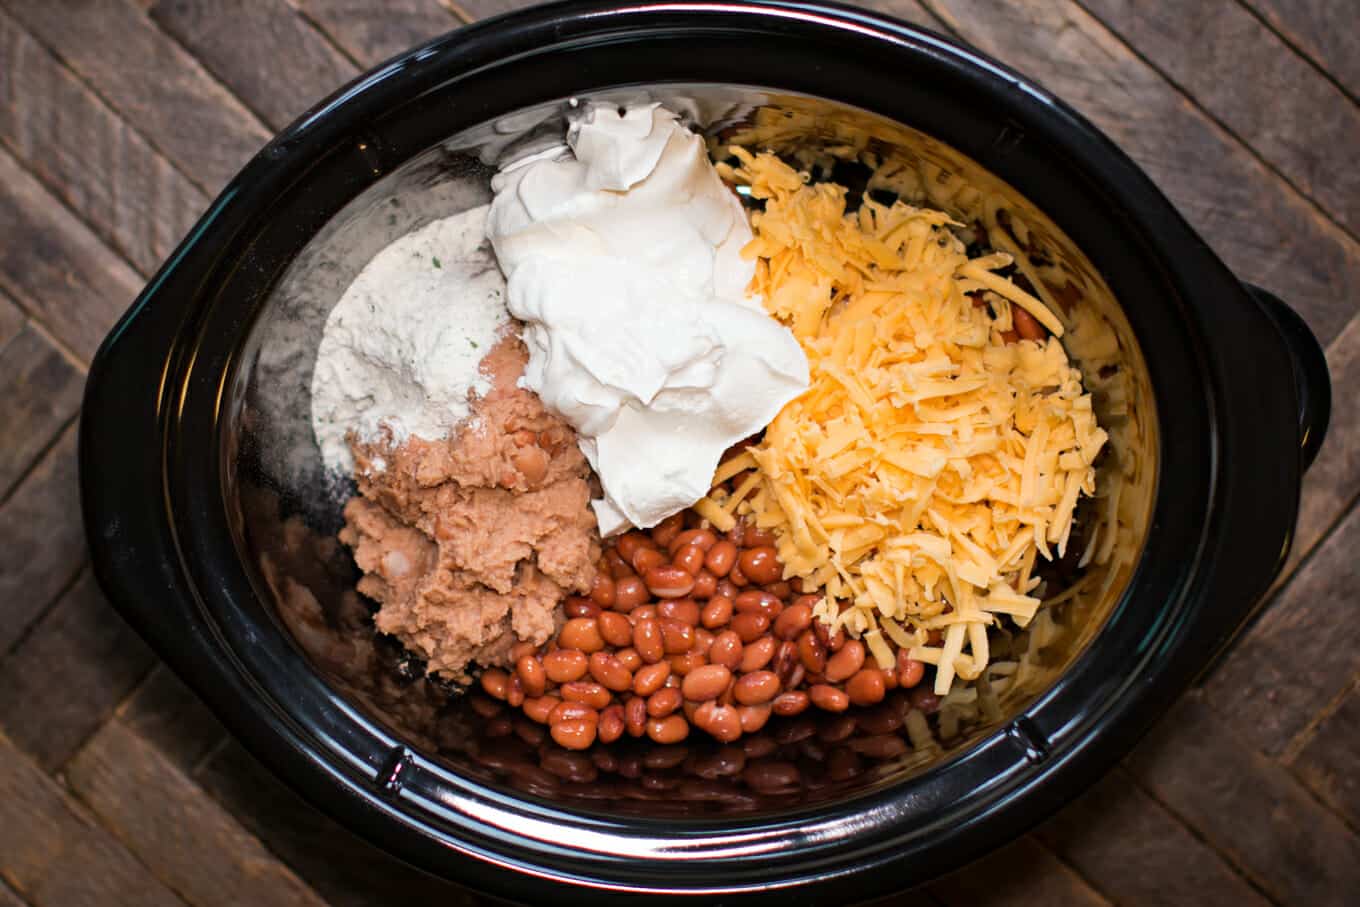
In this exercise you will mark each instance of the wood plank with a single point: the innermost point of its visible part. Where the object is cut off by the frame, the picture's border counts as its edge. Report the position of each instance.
(1135, 852)
(371, 33)
(8, 898)
(42, 543)
(55, 267)
(348, 872)
(1301, 653)
(1330, 763)
(1022, 874)
(908, 10)
(66, 677)
(167, 714)
(151, 81)
(1294, 117)
(1247, 807)
(473, 10)
(1332, 484)
(176, 829)
(1322, 29)
(90, 157)
(11, 319)
(52, 853)
(271, 57)
(39, 393)
(1262, 227)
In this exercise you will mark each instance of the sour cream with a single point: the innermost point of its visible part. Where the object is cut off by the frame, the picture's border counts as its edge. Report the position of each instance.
(623, 258)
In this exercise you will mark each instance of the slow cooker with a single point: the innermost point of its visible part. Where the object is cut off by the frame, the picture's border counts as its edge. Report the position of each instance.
(212, 521)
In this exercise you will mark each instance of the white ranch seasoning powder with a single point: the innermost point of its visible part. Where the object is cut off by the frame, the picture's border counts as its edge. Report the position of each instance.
(402, 347)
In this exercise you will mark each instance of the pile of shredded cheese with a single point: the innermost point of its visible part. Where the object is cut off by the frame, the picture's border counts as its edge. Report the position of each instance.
(930, 460)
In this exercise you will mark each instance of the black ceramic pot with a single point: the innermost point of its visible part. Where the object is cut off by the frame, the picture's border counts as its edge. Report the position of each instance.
(211, 521)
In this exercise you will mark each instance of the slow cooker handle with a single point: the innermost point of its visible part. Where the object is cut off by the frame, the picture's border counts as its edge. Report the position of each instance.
(1309, 362)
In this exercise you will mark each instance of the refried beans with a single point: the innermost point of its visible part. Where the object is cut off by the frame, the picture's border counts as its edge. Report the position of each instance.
(470, 543)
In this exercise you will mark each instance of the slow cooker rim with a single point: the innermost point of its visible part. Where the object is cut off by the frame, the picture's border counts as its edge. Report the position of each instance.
(107, 570)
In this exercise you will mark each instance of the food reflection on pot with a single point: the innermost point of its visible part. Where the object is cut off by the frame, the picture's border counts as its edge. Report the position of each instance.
(804, 758)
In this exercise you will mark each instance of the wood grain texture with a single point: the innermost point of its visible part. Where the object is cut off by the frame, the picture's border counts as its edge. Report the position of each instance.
(1262, 228)
(153, 83)
(172, 825)
(348, 872)
(39, 393)
(66, 677)
(1199, 817)
(1135, 852)
(1302, 652)
(1332, 483)
(373, 32)
(42, 544)
(55, 267)
(474, 10)
(908, 10)
(1330, 763)
(1022, 874)
(8, 898)
(1323, 29)
(1292, 115)
(88, 156)
(1247, 807)
(269, 56)
(11, 319)
(54, 854)
(167, 714)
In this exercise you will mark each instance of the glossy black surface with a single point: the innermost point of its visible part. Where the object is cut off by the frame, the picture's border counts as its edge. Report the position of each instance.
(1309, 363)
(160, 446)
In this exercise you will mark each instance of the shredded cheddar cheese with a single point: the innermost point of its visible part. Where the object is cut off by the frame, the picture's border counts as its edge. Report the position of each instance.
(929, 459)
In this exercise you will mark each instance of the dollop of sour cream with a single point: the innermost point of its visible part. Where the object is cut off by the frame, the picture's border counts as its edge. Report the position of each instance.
(623, 259)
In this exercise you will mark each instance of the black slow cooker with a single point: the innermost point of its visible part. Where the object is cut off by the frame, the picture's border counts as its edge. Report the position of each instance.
(212, 522)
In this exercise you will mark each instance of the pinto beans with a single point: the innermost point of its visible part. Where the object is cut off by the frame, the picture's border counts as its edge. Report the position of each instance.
(866, 687)
(843, 664)
(615, 629)
(756, 688)
(705, 683)
(720, 558)
(581, 633)
(684, 626)
(671, 729)
(1026, 325)
(760, 565)
(690, 559)
(565, 665)
(717, 613)
(828, 698)
(647, 641)
(757, 655)
(531, 675)
(575, 734)
(651, 678)
(669, 581)
(629, 592)
(750, 627)
(610, 673)
(726, 650)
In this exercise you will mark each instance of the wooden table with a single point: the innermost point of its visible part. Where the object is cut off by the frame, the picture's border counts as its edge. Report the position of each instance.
(120, 120)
